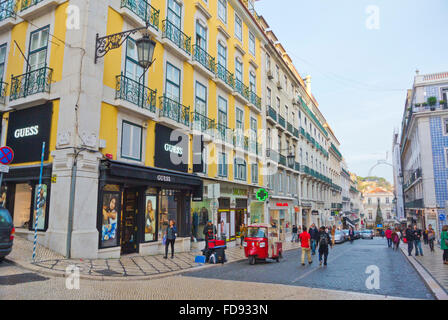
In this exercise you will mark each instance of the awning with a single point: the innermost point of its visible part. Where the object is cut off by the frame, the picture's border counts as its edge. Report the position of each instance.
(28, 173)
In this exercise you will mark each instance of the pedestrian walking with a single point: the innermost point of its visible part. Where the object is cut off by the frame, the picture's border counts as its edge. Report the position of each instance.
(324, 243)
(425, 236)
(396, 236)
(431, 237)
(314, 233)
(294, 233)
(170, 234)
(305, 240)
(410, 240)
(351, 234)
(243, 233)
(209, 233)
(333, 232)
(417, 241)
(444, 243)
(389, 237)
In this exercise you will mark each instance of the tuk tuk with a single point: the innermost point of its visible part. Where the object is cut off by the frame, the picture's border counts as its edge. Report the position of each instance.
(262, 242)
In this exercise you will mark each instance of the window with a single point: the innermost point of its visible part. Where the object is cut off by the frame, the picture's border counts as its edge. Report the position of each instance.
(370, 215)
(174, 13)
(268, 62)
(239, 120)
(277, 70)
(201, 36)
(238, 28)
(278, 104)
(201, 99)
(280, 182)
(2, 60)
(254, 173)
(222, 10)
(446, 157)
(252, 43)
(240, 169)
(253, 129)
(222, 111)
(132, 68)
(445, 126)
(252, 82)
(37, 55)
(131, 141)
(172, 90)
(222, 164)
(238, 70)
(268, 98)
(269, 142)
(222, 55)
(387, 200)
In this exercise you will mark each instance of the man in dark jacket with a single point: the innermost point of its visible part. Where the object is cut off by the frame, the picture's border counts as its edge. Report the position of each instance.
(324, 243)
(314, 233)
(410, 239)
(417, 240)
(209, 233)
(294, 233)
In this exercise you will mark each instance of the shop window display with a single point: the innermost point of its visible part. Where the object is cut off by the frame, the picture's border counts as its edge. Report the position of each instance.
(200, 214)
(167, 210)
(111, 211)
(150, 217)
(22, 205)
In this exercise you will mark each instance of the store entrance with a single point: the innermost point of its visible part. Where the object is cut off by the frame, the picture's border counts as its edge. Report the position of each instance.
(129, 229)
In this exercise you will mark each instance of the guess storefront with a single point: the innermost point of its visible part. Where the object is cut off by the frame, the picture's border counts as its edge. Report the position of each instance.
(27, 130)
(136, 203)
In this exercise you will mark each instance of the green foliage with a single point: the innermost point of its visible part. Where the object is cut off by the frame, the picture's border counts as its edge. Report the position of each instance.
(432, 101)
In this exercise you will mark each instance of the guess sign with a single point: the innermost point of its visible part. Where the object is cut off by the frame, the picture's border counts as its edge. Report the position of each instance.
(26, 132)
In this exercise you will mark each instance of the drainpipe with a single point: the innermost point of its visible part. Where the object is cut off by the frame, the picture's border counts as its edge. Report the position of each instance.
(71, 207)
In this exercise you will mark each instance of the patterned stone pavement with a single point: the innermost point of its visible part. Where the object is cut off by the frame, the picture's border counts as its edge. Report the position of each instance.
(432, 263)
(127, 266)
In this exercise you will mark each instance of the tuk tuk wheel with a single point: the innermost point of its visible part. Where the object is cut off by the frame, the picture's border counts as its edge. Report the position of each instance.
(252, 260)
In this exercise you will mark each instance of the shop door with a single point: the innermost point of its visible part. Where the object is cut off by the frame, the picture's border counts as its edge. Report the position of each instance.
(129, 229)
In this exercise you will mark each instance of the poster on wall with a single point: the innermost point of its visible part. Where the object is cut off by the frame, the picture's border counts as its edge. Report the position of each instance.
(40, 206)
(3, 192)
(150, 218)
(111, 212)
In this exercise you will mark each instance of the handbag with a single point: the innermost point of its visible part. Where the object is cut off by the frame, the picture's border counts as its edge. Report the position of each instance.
(164, 240)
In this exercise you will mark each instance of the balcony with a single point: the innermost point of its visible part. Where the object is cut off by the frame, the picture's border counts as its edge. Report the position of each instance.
(240, 141)
(182, 42)
(306, 170)
(290, 129)
(225, 78)
(254, 147)
(271, 115)
(173, 111)
(297, 166)
(296, 133)
(8, 9)
(224, 134)
(143, 10)
(415, 204)
(282, 160)
(204, 61)
(136, 93)
(202, 124)
(30, 8)
(3, 90)
(281, 122)
(254, 101)
(34, 83)
(272, 155)
(242, 91)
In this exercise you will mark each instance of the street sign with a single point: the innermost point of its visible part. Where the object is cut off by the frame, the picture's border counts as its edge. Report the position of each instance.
(4, 169)
(379, 225)
(214, 191)
(262, 195)
(442, 217)
(6, 155)
(330, 218)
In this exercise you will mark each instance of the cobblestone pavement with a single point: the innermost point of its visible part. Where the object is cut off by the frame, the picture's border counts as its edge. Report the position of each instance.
(432, 262)
(17, 283)
(127, 266)
(346, 271)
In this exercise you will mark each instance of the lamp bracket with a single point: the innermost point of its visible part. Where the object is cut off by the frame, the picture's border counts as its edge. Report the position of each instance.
(113, 41)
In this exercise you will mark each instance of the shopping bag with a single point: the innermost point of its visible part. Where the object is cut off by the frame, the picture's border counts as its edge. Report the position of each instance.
(164, 240)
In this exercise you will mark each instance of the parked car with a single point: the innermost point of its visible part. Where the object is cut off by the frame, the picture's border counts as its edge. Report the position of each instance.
(346, 237)
(367, 234)
(357, 234)
(6, 233)
(339, 237)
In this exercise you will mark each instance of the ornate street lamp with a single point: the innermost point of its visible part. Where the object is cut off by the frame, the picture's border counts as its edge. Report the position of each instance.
(291, 159)
(145, 51)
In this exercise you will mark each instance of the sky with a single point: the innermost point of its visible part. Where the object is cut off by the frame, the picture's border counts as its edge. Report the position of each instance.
(362, 57)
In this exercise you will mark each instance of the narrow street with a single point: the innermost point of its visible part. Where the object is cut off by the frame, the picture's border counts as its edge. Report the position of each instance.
(343, 278)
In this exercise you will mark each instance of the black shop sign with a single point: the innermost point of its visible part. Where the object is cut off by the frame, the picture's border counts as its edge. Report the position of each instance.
(171, 149)
(27, 130)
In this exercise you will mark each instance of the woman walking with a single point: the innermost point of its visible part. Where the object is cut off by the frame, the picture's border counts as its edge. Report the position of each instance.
(431, 237)
(170, 234)
(444, 243)
(243, 233)
(396, 236)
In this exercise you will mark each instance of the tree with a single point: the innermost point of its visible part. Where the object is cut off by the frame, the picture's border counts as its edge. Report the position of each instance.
(379, 216)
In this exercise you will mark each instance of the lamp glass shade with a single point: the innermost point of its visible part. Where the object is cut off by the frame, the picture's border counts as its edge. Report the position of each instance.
(291, 159)
(145, 51)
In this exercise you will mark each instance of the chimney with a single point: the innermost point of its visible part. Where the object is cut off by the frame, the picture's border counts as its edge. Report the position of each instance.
(308, 84)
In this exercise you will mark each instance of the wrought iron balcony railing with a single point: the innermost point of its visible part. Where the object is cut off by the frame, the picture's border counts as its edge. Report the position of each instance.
(201, 56)
(144, 10)
(33, 82)
(3, 88)
(272, 113)
(173, 33)
(254, 147)
(255, 100)
(272, 155)
(225, 75)
(282, 159)
(224, 134)
(242, 89)
(173, 110)
(418, 203)
(297, 166)
(241, 141)
(25, 4)
(296, 132)
(135, 93)
(8, 9)
(290, 128)
(202, 123)
(281, 121)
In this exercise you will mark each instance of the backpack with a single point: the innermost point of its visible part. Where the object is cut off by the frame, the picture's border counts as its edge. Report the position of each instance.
(395, 238)
(323, 241)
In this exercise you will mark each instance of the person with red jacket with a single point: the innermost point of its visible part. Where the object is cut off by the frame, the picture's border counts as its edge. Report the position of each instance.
(305, 239)
(389, 237)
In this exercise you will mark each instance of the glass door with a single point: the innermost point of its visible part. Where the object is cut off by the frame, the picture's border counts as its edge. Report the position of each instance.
(129, 229)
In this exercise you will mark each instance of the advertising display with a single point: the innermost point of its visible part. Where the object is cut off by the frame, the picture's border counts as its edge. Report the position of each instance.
(111, 212)
(171, 149)
(150, 217)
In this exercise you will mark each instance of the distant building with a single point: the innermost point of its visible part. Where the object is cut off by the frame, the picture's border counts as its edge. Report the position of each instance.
(384, 199)
(397, 175)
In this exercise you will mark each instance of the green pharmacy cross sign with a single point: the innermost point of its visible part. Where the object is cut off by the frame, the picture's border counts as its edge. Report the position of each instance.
(262, 194)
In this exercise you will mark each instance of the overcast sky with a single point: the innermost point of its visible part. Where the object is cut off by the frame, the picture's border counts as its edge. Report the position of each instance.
(360, 74)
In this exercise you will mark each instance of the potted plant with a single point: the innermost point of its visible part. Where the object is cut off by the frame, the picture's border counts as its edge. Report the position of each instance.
(417, 105)
(443, 104)
(432, 102)
(424, 104)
